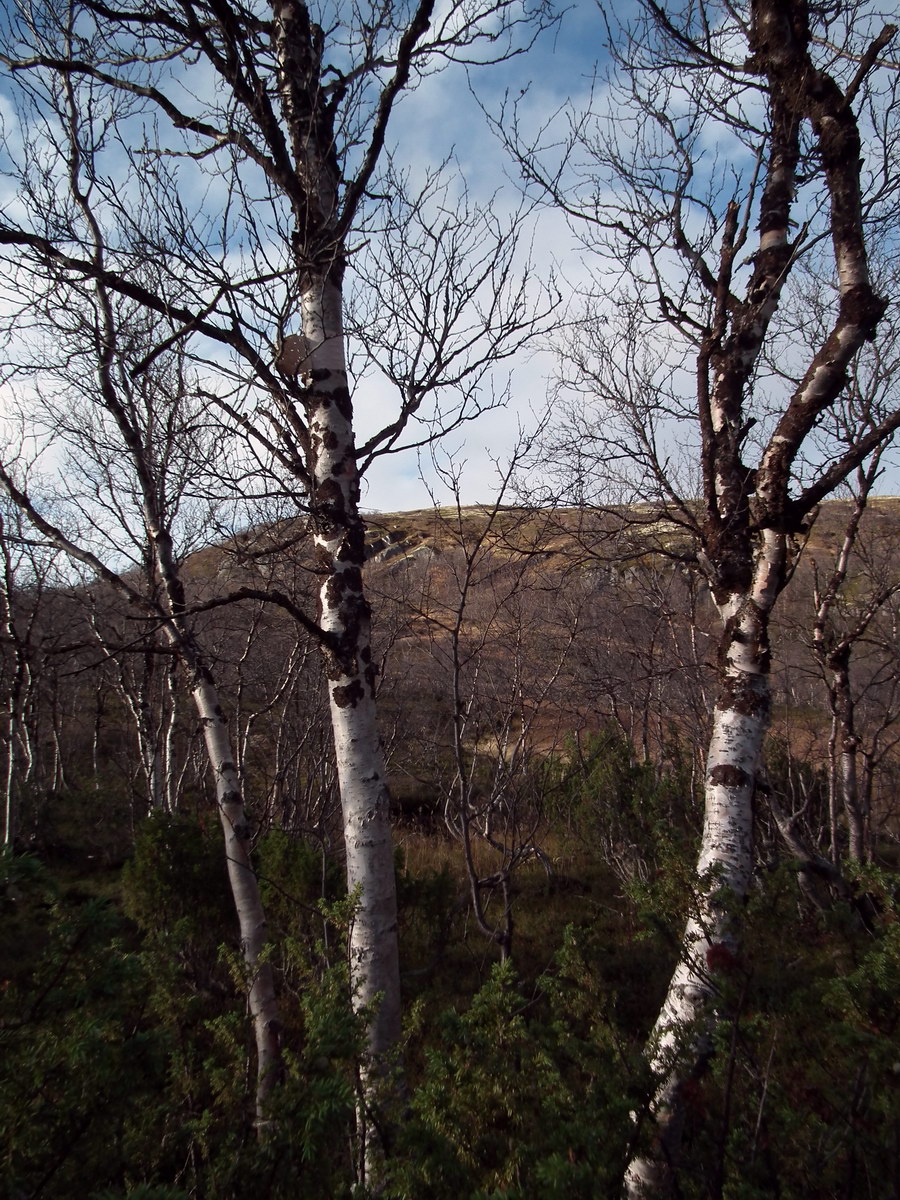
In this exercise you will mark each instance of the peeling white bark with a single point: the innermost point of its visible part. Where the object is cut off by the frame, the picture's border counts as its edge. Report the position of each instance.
(344, 616)
(374, 956)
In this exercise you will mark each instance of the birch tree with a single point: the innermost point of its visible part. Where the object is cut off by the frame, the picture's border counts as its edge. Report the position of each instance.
(39, 648)
(292, 112)
(23, 576)
(131, 444)
(802, 107)
(840, 632)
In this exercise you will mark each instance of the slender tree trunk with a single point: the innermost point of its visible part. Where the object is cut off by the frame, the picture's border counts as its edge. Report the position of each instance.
(833, 793)
(345, 618)
(834, 653)
(244, 889)
(19, 746)
(150, 737)
(59, 772)
(138, 698)
(170, 703)
(9, 813)
(235, 826)
(681, 1041)
(846, 773)
(99, 713)
(16, 738)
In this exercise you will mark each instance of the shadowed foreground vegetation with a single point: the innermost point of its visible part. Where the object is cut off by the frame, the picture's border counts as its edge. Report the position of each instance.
(125, 1055)
(544, 699)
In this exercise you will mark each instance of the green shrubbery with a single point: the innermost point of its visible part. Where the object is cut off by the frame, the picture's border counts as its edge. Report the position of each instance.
(633, 814)
(127, 1064)
(82, 1096)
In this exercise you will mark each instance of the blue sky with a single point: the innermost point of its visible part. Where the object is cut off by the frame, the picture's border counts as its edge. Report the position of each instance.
(442, 118)
(442, 115)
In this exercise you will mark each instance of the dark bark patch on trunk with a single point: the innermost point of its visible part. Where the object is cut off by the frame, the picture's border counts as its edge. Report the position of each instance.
(353, 547)
(340, 583)
(344, 467)
(239, 829)
(730, 776)
(329, 492)
(334, 591)
(741, 696)
(730, 551)
(861, 307)
(341, 397)
(352, 579)
(350, 695)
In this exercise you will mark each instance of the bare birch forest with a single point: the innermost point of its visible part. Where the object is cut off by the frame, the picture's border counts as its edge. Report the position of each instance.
(540, 847)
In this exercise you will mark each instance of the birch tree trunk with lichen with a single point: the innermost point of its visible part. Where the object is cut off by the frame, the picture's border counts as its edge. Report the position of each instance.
(344, 616)
(749, 518)
(317, 358)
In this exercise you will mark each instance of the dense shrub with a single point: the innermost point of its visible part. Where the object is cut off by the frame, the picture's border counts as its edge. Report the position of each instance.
(126, 1060)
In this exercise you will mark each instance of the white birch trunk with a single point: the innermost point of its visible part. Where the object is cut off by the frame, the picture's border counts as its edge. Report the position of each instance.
(172, 782)
(235, 827)
(229, 794)
(245, 890)
(147, 740)
(9, 831)
(149, 737)
(344, 617)
(834, 654)
(847, 769)
(680, 1043)
(318, 356)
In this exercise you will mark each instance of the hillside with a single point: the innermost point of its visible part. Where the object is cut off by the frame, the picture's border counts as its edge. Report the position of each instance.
(545, 687)
(572, 622)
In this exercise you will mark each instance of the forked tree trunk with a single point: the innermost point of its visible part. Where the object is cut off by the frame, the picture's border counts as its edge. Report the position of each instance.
(748, 513)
